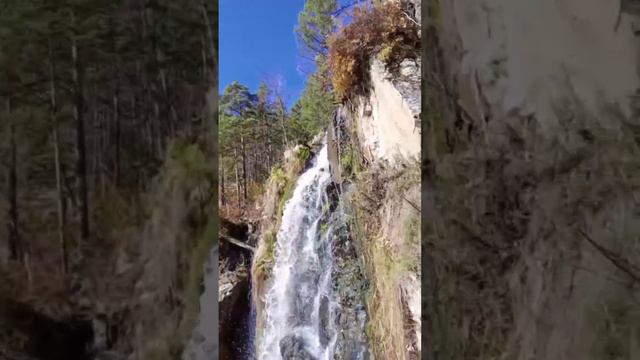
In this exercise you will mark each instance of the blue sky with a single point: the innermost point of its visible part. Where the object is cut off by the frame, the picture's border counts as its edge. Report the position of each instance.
(257, 40)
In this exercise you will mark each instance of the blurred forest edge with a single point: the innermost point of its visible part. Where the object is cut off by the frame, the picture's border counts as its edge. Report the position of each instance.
(531, 242)
(107, 174)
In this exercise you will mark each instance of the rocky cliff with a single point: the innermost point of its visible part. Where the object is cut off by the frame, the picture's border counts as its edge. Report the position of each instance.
(137, 296)
(388, 120)
(376, 142)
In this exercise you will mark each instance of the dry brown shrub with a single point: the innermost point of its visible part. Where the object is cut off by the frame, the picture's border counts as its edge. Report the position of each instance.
(382, 29)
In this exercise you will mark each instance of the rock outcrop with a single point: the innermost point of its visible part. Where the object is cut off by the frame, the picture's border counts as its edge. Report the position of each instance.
(376, 160)
(388, 119)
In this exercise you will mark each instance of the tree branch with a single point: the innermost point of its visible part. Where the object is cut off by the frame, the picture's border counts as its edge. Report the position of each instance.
(345, 7)
(616, 260)
(239, 243)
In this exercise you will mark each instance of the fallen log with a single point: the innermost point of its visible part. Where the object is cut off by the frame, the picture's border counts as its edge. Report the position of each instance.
(238, 243)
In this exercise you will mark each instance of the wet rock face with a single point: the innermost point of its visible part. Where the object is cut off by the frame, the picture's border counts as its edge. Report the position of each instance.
(353, 345)
(234, 320)
(324, 321)
(351, 285)
(292, 347)
(234, 304)
(333, 146)
(416, 10)
(302, 307)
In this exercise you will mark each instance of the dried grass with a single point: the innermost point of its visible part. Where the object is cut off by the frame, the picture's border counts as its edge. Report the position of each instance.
(510, 202)
(388, 261)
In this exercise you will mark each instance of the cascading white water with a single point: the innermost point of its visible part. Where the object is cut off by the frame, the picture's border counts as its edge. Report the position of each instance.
(300, 306)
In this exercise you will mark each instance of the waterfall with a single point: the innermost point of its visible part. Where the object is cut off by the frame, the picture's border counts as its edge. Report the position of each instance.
(300, 305)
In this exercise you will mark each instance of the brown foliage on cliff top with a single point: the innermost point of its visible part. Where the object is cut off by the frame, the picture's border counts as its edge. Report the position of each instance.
(384, 29)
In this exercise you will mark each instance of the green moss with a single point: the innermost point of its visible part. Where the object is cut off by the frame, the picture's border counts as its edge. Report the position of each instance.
(408, 261)
(286, 187)
(167, 347)
(323, 229)
(347, 161)
(433, 13)
(304, 154)
(286, 195)
(189, 162)
(278, 176)
(263, 263)
(412, 230)
(175, 348)
(270, 241)
(369, 329)
(406, 264)
(199, 256)
(617, 325)
(388, 50)
(385, 53)
(325, 208)
(116, 209)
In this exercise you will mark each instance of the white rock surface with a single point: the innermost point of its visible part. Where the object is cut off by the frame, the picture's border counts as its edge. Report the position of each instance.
(528, 54)
(387, 119)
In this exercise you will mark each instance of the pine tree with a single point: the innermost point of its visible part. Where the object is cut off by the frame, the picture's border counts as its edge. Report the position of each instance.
(98, 89)
(315, 23)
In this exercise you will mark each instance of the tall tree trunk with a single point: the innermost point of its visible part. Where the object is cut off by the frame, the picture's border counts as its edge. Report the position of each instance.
(148, 119)
(95, 168)
(155, 61)
(15, 248)
(255, 168)
(267, 134)
(244, 167)
(146, 83)
(142, 69)
(203, 44)
(116, 99)
(223, 199)
(158, 136)
(281, 111)
(139, 145)
(207, 24)
(235, 156)
(172, 121)
(116, 121)
(53, 111)
(78, 114)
